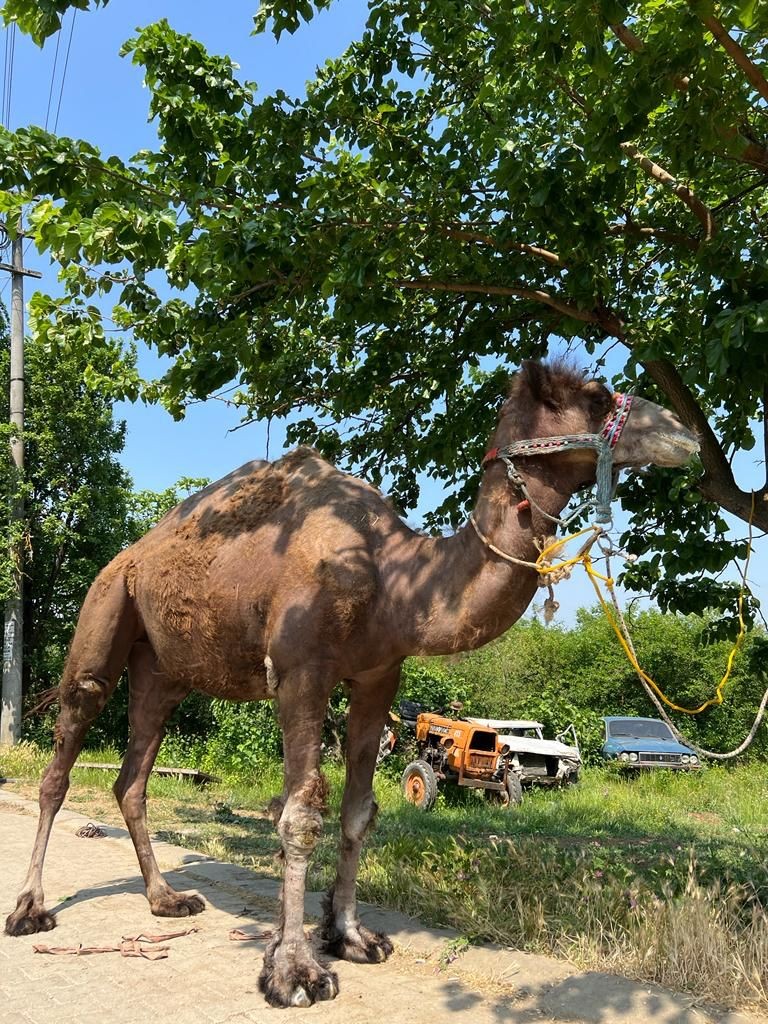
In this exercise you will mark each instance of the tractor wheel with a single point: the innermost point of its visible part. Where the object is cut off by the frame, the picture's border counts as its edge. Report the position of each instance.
(514, 790)
(420, 785)
(513, 795)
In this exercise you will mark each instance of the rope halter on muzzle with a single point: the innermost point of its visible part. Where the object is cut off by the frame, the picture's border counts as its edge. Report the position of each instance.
(603, 443)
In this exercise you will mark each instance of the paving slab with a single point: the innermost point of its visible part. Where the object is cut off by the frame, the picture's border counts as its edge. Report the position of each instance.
(96, 892)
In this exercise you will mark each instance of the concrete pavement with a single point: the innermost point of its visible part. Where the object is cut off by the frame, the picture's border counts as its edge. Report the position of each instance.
(96, 891)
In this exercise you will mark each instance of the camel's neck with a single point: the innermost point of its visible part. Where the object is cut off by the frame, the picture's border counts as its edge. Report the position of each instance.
(465, 594)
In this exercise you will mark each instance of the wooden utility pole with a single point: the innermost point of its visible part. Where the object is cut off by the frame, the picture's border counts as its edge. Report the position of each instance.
(13, 636)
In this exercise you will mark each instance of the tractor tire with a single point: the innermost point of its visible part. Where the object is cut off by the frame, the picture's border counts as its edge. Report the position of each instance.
(420, 785)
(514, 790)
(512, 797)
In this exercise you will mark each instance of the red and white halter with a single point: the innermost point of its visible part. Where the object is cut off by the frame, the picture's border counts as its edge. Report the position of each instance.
(603, 443)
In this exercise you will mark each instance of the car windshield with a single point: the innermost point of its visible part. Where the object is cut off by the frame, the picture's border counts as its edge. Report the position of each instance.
(639, 729)
(530, 733)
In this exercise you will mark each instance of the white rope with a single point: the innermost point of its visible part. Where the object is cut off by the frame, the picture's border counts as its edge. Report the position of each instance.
(711, 754)
(499, 552)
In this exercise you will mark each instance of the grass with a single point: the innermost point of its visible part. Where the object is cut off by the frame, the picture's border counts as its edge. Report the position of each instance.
(662, 877)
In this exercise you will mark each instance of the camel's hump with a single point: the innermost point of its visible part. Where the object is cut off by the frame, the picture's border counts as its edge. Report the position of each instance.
(299, 483)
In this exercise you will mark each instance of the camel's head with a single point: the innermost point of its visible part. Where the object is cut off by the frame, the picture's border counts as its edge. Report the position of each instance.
(552, 401)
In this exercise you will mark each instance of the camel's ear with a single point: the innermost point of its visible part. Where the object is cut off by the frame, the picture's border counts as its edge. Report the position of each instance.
(541, 383)
(600, 398)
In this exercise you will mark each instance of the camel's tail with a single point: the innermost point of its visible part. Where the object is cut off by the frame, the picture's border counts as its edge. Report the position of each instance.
(45, 700)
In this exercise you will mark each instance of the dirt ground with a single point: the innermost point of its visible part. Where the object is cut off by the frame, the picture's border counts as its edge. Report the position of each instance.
(95, 889)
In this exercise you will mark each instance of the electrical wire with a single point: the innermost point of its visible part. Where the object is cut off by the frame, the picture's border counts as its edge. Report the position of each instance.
(10, 53)
(64, 72)
(7, 38)
(53, 80)
(5, 100)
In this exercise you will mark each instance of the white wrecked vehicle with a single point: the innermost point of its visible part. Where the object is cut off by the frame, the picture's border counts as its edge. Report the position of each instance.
(535, 760)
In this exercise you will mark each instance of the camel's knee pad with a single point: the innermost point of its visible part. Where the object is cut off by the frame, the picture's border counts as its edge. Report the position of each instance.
(301, 821)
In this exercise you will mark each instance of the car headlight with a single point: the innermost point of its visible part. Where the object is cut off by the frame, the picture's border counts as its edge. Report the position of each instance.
(623, 756)
(685, 758)
(633, 756)
(694, 759)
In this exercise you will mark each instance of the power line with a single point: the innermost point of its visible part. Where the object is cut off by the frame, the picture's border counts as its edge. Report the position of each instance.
(53, 79)
(7, 37)
(5, 101)
(10, 52)
(64, 72)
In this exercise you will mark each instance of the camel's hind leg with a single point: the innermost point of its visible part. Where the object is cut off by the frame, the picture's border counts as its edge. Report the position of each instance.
(106, 629)
(153, 697)
(343, 934)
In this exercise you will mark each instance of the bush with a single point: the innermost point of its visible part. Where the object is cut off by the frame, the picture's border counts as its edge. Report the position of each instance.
(434, 684)
(245, 738)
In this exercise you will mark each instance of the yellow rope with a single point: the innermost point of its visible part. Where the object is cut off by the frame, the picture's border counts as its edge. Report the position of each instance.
(717, 699)
(544, 567)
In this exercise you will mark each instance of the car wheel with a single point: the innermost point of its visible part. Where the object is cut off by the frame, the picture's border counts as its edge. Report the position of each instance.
(419, 784)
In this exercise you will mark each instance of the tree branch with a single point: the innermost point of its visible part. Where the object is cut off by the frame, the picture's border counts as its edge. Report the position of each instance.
(634, 43)
(670, 237)
(461, 233)
(754, 75)
(233, 300)
(754, 153)
(682, 192)
(532, 250)
(573, 94)
(718, 484)
(607, 321)
(627, 37)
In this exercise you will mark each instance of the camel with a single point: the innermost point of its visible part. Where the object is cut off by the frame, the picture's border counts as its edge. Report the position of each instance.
(283, 579)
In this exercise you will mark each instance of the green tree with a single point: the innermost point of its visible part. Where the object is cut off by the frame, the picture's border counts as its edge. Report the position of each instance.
(465, 182)
(76, 497)
(147, 507)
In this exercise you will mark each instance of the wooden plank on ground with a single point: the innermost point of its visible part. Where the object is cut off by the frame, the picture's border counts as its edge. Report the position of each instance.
(193, 774)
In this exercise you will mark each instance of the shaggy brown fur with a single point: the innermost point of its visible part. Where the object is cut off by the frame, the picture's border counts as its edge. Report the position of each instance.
(281, 580)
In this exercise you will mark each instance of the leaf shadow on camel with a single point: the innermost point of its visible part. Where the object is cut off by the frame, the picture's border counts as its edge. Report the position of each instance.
(279, 581)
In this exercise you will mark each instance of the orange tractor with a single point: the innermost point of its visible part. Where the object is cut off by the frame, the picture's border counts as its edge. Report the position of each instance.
(462, 753)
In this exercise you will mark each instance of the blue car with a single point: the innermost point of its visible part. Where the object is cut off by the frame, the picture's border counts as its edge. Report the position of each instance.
(645, 743)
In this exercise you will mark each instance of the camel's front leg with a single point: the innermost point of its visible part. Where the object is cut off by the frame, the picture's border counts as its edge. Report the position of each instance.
(343, 934)
(291, 976)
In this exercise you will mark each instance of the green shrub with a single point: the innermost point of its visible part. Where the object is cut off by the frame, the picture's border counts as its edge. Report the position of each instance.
(434, 683)
(245, 738)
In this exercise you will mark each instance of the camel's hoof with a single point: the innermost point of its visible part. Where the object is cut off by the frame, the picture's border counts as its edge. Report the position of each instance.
(297, 983)
(27, 920)
(177, 904)
(361, 946)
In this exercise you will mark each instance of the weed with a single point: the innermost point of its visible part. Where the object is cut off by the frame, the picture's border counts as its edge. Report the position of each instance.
(451, 952)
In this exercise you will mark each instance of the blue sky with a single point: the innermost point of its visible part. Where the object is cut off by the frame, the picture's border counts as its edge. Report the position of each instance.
(103, 101)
